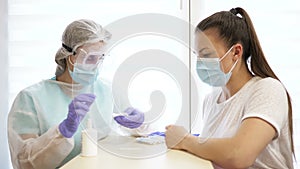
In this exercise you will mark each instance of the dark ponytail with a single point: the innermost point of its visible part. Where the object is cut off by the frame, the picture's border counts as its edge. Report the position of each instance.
(235, 26)
(260, 66)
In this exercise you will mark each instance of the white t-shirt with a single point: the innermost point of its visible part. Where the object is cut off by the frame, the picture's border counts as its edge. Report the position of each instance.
(263, 98)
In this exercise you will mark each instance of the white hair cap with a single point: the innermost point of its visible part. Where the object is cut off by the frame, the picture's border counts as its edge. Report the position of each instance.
(76, 34)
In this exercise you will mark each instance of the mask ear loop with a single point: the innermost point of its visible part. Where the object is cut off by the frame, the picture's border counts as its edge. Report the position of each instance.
(226, 54)
(233, 65)
(73, 87)
(72, 84)
(69, 58)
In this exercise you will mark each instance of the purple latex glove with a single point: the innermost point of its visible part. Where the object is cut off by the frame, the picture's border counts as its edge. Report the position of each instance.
(133, 118)
(77, 110)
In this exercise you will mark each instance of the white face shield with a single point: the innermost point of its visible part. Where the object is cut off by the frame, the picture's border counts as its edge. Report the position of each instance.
(78, 34)
(89, 60)
(89, 57)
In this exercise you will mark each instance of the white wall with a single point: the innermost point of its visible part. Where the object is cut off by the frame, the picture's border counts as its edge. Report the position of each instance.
(4, 158)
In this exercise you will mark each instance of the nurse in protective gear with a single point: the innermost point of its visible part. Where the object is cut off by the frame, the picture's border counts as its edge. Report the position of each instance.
(46, 119)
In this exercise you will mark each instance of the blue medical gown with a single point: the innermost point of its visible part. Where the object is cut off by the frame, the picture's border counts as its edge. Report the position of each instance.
(41, 106)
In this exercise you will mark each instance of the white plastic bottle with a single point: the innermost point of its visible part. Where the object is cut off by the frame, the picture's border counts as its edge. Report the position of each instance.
(89, 140)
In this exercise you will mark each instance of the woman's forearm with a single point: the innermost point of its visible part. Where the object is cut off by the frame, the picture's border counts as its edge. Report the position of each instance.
(224, 152)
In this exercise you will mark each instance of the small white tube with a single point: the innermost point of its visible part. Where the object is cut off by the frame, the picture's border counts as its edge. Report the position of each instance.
(89, 140)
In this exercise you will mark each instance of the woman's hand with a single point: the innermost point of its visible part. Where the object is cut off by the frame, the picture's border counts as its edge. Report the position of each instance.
(175, 136)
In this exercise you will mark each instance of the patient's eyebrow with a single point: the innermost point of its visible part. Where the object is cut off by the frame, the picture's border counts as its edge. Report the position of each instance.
(203, 49)
(206, 52)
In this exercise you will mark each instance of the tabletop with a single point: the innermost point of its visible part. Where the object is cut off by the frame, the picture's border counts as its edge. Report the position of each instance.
(125, 152)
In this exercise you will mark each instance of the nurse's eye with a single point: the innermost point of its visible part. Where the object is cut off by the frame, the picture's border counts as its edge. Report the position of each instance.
(93, 57)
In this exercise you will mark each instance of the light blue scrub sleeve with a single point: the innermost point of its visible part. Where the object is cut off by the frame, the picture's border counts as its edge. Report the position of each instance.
(45, 151)
(40, 108)
(23, 117)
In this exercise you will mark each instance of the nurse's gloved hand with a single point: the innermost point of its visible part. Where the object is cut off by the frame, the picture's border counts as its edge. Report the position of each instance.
(78, 108)
(132, 119)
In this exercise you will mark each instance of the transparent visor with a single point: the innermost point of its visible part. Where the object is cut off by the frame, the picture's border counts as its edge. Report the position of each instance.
(204, 47)
(206, 53)
(89, 59)
(212, 54)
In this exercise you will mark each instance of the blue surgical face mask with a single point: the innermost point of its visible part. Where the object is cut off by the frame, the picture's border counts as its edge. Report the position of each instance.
(209, 71)
(83, 74)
